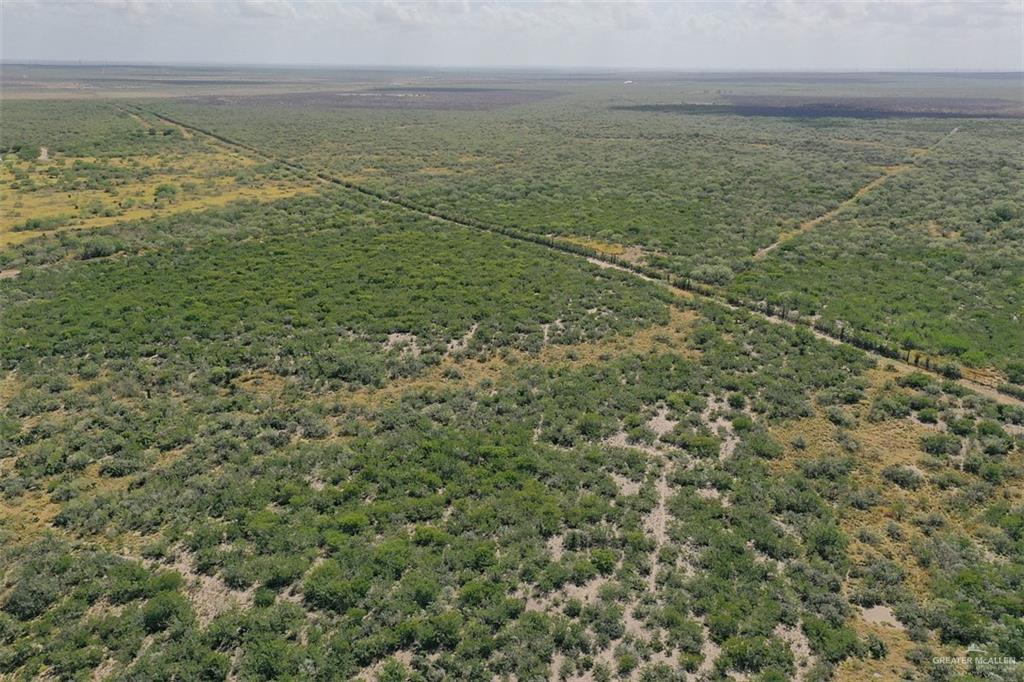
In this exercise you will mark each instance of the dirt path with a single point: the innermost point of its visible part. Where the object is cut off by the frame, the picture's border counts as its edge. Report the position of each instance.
(674, 287)
(657, 523)
(944, 138)
(185, 132)
(808, 225)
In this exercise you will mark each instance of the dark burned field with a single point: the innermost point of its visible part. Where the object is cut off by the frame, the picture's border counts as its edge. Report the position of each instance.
(335, 375)
(846, 107)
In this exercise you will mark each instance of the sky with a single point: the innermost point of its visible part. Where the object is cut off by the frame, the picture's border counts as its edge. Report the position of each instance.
(706, 35)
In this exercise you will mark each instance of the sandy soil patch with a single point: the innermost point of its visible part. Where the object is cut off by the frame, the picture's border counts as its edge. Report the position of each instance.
(208, 594)
(548, 326)
(713, 494)
(371, 672)
(105, 670)
(461, 344)
(660, 424)
(408, 344)
(626, 487)
(880, 615)
(709, 651)
(613, 266)
(621, 440)
(801, 648)
(556, 545)
(713, 417)
(656, 523)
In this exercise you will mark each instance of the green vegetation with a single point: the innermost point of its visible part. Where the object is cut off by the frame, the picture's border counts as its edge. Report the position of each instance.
(933, 259)
(327, 437)
(699, 196)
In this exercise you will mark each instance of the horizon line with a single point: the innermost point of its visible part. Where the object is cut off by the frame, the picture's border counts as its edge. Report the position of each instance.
(455, 67)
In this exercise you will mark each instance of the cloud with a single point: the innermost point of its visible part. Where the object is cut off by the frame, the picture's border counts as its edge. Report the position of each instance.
(787, 34)
(269, 9)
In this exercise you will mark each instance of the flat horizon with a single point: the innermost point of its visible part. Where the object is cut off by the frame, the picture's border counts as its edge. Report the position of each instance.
(495, 68)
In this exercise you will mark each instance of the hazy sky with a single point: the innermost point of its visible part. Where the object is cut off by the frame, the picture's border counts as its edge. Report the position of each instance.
(908, 34)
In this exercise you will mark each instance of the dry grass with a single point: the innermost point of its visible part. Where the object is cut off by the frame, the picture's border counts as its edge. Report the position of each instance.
(208, 177)
(855, 669)
(28, 515)
(471, 371)
(630, 254)
(8, 388)
(890, 442)
(262, 382)
(604, 248)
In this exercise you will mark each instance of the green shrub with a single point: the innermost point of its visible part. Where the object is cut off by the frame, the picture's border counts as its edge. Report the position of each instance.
(163, 609)
(762, 445)
(32, 595)
(100, 247)
(330, 587)
(904, 477)
(833, 644)
(941, 444)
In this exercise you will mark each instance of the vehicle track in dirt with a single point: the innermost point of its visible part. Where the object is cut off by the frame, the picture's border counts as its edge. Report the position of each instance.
(674, 286)
(890, 172)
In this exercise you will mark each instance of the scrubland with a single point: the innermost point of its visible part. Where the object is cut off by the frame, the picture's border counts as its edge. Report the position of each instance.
(262, 425)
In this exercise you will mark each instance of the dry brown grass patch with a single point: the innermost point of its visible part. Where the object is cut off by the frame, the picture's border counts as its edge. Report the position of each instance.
(205, 179)
(471, 371)
(28, 515)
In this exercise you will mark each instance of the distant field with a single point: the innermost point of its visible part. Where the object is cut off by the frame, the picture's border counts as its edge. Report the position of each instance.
(431, 98)
(383, 376)
(700, 192)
